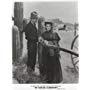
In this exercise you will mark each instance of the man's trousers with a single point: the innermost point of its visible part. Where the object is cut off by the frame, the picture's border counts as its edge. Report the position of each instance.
(32, 52)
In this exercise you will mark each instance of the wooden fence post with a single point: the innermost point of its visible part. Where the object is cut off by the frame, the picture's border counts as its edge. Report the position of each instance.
(18, 22)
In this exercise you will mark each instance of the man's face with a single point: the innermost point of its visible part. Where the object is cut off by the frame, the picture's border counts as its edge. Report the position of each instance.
(34, 20)
(48, 27)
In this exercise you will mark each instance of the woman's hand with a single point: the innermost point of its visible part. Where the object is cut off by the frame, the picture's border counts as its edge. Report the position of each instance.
(46, 42)
(50, 43)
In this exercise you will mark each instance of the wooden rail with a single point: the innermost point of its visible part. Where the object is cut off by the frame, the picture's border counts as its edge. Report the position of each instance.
(69, 51)
(64, 50)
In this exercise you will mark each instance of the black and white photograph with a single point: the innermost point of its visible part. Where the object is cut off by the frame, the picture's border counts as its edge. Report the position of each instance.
(45, 42)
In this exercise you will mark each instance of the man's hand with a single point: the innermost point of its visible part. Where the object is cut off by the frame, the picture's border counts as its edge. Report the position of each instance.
(40, 39)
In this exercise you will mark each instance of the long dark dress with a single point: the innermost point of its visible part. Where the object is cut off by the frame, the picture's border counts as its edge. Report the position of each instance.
(50, 57)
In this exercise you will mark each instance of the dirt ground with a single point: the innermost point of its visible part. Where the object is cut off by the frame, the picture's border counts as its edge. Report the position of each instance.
(69, 75)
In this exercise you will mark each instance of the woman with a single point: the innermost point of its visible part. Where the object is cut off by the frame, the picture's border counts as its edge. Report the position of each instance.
(50, 55)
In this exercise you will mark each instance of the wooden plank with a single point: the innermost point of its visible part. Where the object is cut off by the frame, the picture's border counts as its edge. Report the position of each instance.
(69, 51)
(64, 50)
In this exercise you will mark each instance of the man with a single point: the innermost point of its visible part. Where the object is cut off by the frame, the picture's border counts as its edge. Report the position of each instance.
(32, 39)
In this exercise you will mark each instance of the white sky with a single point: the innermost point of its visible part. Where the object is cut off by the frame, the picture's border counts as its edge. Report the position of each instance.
(66, 11)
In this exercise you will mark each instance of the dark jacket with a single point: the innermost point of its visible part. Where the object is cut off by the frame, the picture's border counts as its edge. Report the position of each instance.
(31, 32)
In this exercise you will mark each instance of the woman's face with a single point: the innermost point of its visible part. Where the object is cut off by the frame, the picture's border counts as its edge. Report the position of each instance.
(48, 27)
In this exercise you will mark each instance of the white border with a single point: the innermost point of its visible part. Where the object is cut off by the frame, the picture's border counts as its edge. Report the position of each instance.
(6, 54)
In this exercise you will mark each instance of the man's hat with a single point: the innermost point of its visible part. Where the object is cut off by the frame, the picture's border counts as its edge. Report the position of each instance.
(34, 15)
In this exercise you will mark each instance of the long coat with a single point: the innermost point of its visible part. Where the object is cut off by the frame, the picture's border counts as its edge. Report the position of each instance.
(50, 57)
(31, 32)
(32, 39)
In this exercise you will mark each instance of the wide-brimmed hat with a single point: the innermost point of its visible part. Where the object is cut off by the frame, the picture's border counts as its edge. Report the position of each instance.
(34, 15)
(49, 23)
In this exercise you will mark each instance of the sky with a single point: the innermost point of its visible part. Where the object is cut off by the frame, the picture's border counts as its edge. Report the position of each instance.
(66, 11)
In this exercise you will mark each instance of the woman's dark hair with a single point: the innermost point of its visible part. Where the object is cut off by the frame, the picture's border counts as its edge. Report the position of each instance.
(49, 23)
